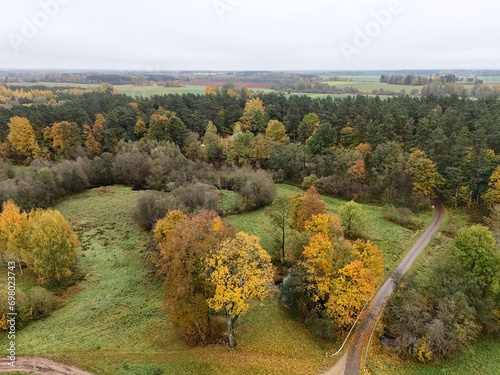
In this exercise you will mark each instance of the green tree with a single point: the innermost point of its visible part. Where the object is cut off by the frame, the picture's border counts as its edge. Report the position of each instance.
(240, 271)
(308, 126)
(353, 219)
(322, 140)
(280, 216)
(475, 249)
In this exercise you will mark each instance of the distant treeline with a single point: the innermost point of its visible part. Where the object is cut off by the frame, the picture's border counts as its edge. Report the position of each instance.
(416, 80)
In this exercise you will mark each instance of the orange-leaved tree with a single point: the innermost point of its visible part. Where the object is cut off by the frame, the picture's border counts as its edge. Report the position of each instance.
(311, 204)
(184, 241)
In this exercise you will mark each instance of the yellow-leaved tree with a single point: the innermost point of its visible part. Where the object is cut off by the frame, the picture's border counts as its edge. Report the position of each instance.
(318, 266)
(355, 284)
(426, 178)
(276, 131)
(492, 196)
(65, 138)
(13, 229)
(311, 204)
(52, 245)
(240, 271)
(22, 137)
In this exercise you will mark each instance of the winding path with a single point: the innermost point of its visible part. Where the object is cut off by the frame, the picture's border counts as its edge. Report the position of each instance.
(351, 363)
(40, 366)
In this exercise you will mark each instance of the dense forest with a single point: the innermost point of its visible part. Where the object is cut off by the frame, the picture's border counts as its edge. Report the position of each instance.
(357, 147)
(185, 149)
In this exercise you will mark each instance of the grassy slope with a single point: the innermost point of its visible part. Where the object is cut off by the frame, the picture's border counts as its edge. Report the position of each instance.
(114, 324)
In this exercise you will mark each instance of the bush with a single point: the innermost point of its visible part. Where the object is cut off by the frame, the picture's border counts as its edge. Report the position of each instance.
(41, 302)
(308, 181)
(70, 176)
(32, 305)
(99, 170)
(403, 217)
(6, 170)
(152, 206)
(198, 196)
(132, 169)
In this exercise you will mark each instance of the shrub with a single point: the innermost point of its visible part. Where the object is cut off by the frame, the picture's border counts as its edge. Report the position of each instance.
(152, 206)
(6, 170)
(132, 169)
(308, 181)
(70, 176)
(198, 196)
(258, 190)
(41, 302)
(403, 217)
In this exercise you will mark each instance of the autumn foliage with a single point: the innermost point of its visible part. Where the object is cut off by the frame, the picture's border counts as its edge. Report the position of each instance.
(184, 241)
(240, 272)
(42, 239)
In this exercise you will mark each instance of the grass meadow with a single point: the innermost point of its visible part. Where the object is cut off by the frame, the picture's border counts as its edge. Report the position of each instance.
(111, 322)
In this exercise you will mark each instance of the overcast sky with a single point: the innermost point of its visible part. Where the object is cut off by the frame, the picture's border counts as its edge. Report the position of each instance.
(250, 34)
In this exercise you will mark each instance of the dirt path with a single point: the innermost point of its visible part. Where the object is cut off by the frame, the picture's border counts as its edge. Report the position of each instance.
(352, 362)
(40, 366)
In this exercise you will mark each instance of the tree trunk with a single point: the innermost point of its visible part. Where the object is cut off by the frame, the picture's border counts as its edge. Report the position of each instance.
(283, 244)
(230, 330)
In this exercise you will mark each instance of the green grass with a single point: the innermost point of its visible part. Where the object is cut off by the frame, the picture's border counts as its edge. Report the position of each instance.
(369, 86)
(112, 321)
(148, 91)
(482, 358)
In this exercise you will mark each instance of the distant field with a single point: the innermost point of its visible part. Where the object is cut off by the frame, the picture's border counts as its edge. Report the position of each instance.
(250, 85)
(369, 86)
(52, 84)
(148, 91)
(490, 79)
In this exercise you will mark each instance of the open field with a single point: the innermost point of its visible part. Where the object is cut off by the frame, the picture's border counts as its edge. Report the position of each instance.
(148, 91)
(369, 86)
(112, 321)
